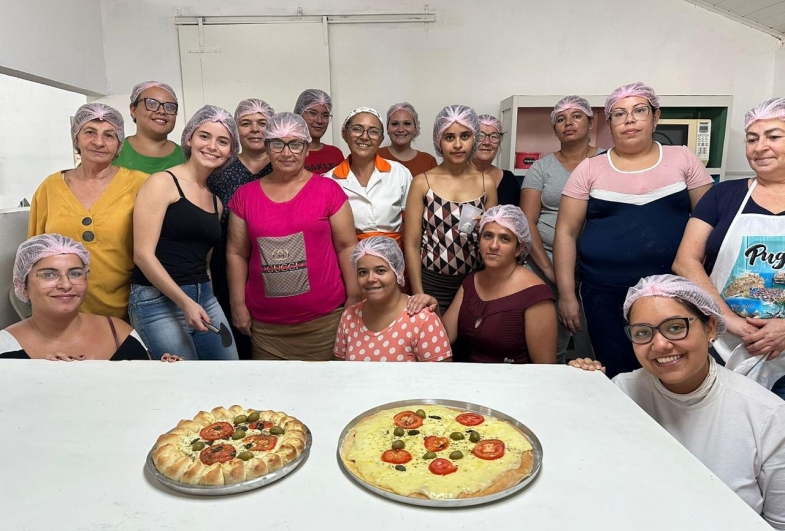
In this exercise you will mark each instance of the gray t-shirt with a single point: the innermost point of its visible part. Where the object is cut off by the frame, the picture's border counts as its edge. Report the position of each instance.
(549, 177)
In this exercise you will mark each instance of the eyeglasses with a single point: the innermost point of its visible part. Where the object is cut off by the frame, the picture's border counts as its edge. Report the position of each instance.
(494, 138)
(671, 329)
(313, 115)
(358, 130)
(153, 105)
(277, 146)
(639, 114)
(50, 277)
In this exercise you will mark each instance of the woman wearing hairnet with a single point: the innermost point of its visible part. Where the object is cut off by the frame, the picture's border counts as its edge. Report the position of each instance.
(507, 188)
(291, 236)
(51, 272)
(731, 424)
(540, 196)
(94, 204)
(176, 224)
(251, 164)
(403, 126)
(440, 253)
(316, 106)
(154, 111)
(634, 201)
(379, 328)
(732, 248)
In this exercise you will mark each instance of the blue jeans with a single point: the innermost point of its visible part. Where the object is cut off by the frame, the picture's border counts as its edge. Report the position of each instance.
(161, 324)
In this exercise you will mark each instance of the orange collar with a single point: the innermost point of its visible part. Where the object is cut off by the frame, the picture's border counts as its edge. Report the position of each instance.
(342, 170)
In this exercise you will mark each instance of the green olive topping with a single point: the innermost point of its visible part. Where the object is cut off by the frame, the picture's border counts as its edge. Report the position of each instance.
(430, 455)
(456, 436)
(239, 419)
(420, 413)
(398, 432)
(253, 417)
(276, 430)
(237, 435)
(245, 456)
(197, 446)
(398, 445)
(457, 454)
(474, 436)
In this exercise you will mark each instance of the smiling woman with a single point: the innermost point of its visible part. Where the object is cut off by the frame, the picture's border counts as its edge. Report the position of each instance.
(315, 106)
(403, 126)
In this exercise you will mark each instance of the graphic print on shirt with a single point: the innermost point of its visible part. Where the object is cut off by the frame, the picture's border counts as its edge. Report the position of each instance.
(284, 268)
(756, 285)
(445, 249)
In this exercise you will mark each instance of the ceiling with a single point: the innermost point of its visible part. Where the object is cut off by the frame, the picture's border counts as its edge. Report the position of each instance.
(765, 15)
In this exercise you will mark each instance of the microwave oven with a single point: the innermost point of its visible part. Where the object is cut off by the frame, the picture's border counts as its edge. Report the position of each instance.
(694, 133)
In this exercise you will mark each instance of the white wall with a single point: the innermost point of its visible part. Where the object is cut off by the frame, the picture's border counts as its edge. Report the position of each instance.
(778, 89)
(56, 42)
(479, 53)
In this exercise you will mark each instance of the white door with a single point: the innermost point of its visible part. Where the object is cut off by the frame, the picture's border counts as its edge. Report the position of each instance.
(272, 62)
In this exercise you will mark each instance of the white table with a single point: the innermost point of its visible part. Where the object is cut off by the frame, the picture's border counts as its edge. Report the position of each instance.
(76, 436)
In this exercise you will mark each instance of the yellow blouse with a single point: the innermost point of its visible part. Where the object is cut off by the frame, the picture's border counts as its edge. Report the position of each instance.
(105, 230)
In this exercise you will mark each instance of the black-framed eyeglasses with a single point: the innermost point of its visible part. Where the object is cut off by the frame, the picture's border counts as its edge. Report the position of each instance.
(494, 138)
(313, 115)
(152, 105)
(277, 146)
(50, 277)
(672, 329)
(639, 114)
(358, 130)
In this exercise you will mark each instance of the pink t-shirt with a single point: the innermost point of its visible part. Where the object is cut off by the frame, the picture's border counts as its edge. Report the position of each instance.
(418, 337)
(293, 272)
(596, 177)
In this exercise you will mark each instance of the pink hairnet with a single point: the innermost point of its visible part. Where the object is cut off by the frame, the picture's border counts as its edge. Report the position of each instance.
(360, 110)
(252, 106)
(455, 114)
(311, 98)
(98, 111)
(768, 110)
(144, 85)
(678, 288)
(385, 248)
(43, 246)
(407, 107)
(511, 218)
(571, 102)
(637, 89)
(211, 113)
(490, 120)
(287, 124)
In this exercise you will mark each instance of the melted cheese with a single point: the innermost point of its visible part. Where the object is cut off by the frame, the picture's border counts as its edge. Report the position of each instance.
(375, 435)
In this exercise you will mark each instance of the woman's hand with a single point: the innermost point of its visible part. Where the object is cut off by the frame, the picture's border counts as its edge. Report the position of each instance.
(64, 357)
(170, 358)
(739, 327)
(420, 301)
(241, 319)
(587, 364)
(769, 338)
(570, 313)
(194, 315)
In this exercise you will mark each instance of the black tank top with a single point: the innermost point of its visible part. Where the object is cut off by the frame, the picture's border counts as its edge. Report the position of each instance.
(187, 235)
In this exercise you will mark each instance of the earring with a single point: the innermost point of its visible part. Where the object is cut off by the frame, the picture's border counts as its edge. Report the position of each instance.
(711, 341)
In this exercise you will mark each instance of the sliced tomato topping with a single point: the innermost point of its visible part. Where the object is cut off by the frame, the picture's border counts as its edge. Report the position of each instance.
(396, 457)
(261, 425)
(436, 444)
(470, 419)
(442, 467)
(489, 449)
(217, 430)
(261, 443)
(407, 420)
(220, 453)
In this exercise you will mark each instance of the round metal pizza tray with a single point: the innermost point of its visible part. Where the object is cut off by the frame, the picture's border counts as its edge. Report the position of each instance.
(462, 502)
(222, 490)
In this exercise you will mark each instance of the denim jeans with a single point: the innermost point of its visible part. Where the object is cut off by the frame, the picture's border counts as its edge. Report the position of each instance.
(161, 324)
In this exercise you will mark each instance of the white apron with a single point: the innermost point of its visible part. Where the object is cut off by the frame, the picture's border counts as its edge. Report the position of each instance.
(749, 274)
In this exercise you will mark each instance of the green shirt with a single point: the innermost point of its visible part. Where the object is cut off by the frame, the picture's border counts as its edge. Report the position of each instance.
(132, 160)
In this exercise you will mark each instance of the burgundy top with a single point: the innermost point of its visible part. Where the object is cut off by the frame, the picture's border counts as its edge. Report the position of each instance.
(493, 331)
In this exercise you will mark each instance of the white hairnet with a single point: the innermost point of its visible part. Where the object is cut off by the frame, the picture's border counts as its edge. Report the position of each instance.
(571, 102)
(385, 248)
(360, 110)
(287, 124)
(637, 89)
(211, 113)
(455, 114)
(511, 218)
(678, 288)
(98, 111)
(43, 246)
(144, 85)
(253, 106)
(407, 107)
(311, 98)
(490, 120)
(768, 110)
